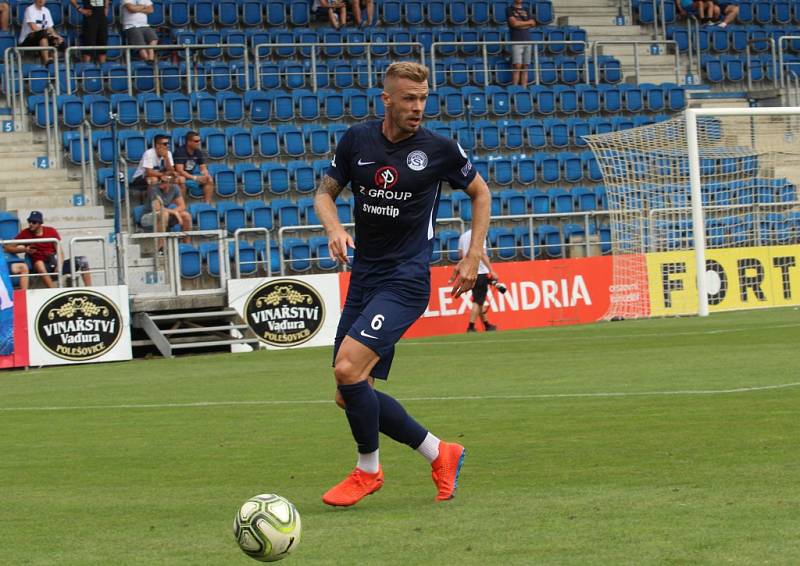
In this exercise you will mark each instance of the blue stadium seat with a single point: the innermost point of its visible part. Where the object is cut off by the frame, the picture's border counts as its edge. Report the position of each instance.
(297, 254)
(571, 167)
(545, 99)
(126, 108)
(251, 14)
(413, 12)
(266, 139)
(178, 13)
(132, 145)
(214, 142)
(234, 217)
(152, 108)
(277, 176)
(535, 132)
(558, 132)
(258, 106)
(299, 13)
(292, 140)
(249, 177)
(224, 179)
(319, 139)
(512, 135)
(549, 167)
(240, 141)
(502, 171)
(302, 175)
(205, 107)
(435, 13)
(526, 171)
(514, 202)
(230, 107)
(282, 106)
(190, 261)
(549, 240)
(202, 12)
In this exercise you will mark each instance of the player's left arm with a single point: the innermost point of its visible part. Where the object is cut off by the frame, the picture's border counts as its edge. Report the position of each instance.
(466, 272)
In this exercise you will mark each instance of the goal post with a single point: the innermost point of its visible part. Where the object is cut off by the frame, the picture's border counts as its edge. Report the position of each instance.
(684, 194)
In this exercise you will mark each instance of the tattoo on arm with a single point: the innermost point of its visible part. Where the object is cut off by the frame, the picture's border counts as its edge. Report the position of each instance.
(329, 186)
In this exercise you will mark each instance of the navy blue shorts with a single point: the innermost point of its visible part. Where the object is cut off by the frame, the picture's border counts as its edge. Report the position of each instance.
(378, 318)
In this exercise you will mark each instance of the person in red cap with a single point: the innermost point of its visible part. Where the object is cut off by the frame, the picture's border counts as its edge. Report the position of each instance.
(44, 256)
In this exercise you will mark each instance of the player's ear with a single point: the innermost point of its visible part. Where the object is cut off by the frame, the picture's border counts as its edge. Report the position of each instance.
(386, 98)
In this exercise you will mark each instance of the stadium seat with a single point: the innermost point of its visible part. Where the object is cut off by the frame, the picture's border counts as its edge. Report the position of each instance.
(224, 179)
(214, 142)
(266, 139)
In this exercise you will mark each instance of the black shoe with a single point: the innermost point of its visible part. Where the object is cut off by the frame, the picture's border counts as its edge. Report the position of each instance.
(471, 329)
(489, 327)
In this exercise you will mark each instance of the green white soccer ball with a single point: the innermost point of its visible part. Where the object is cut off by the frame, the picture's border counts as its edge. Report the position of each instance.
(267, 527)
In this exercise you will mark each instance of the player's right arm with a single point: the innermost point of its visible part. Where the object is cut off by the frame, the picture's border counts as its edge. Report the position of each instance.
(325, 207)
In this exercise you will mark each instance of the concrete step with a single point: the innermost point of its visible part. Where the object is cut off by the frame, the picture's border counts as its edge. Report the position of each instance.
(39, 176)
(621, 50)
(18, 139)
(31, 202)
(69, 216)
(649, 61)
(20, 161)
(609, 12)
(593, 19)
(587, 6)
(600, 32)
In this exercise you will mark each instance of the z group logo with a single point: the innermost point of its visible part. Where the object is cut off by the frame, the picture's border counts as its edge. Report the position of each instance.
(386, 177)
(78, 325)
(284, 312)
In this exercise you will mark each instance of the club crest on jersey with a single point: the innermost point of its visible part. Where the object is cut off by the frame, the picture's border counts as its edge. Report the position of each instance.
(417, 160)
(386, 177)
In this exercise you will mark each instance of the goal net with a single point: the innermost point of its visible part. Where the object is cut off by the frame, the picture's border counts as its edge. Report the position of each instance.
(713, 188)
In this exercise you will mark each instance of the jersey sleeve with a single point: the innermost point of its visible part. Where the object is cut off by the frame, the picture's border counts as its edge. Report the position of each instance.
(339, 169)
(460, 171)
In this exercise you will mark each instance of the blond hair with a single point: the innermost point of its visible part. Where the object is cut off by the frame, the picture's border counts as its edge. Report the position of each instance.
(407, 70)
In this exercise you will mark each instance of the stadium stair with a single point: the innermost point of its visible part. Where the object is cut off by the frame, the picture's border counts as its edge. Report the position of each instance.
(600, 25)
(22, 184)
(200, 329)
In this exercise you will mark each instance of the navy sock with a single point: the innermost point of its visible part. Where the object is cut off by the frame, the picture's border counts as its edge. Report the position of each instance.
(397, 424)
(362, 410)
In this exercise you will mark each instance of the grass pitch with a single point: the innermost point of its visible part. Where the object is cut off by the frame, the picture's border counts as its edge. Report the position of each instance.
(641, 442)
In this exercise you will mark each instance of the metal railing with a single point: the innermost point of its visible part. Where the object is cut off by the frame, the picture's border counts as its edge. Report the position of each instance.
(189, 50)
(775, 58)
(781, 62)
(88, 183)
(312, 72)
(54, 275)
(237, 260)
(74, 274)
(535, 55)
(758, 209)
(634, 44)
(172, 268)
(319, 227)
(15, 79)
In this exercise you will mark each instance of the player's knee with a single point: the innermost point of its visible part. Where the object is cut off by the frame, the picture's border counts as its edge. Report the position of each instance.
(345, 371)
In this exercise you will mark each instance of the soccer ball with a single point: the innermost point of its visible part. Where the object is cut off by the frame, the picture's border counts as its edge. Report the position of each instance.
(267, 527)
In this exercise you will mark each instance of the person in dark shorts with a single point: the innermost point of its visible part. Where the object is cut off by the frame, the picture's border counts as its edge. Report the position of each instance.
(485, 275)
(94, 29)
(137, 29)
(395, 169)
(37, 29)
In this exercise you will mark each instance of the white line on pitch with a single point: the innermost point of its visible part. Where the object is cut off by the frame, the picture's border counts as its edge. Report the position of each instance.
(539, 337)
(406, 399)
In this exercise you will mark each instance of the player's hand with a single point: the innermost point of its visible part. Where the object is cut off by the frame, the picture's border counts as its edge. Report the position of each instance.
(338, 242)
(464, 276)
(493, 276)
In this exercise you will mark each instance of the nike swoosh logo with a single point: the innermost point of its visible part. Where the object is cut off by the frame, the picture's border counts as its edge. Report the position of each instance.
(365, 335)
(362, 163)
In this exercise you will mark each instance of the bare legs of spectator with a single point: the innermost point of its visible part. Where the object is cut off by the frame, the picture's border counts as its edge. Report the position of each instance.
(20, 270)
(4, 17)
(40, 267)
(370, 6)
(519, 74)
(101, 58)
(148, 55)
(340, 19)
(731, 13)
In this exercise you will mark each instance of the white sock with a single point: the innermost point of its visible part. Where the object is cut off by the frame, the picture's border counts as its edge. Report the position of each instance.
(429, 448)
(369, 462)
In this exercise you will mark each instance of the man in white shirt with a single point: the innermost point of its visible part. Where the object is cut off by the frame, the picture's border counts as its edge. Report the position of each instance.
(137, 29)
(37, 29)
(156, 164)
(481, 284)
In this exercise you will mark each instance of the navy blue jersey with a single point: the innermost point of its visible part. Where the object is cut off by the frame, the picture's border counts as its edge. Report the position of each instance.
(396, 188)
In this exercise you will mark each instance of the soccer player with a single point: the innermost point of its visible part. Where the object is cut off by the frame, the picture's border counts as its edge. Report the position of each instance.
(395, 169)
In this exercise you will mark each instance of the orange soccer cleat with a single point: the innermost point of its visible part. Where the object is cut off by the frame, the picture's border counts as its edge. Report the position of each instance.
(354, 488)
(445, 469)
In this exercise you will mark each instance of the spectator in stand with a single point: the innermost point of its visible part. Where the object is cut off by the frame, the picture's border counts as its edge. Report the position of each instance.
(137, 29)
(45, 257)
(190, 165)
(37, 29)
(164, 208)
(327, 10)
(703, 10)
(370, 7)
(4, 15)
(520, 21)
(156, 163)
(729, 11)
(94, 29)
(17, 268)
